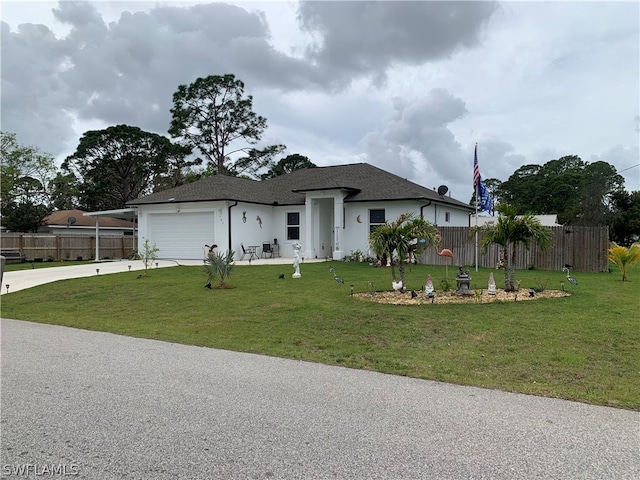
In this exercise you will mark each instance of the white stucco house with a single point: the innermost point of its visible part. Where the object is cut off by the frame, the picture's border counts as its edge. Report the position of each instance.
(329, 210)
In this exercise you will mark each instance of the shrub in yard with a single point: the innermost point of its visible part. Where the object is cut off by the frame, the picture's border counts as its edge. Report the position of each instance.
(445, 284)
(541, 284)
(218, 267)
(148, 254)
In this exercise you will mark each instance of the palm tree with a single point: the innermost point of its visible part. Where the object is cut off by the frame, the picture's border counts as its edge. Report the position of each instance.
(402, 236)
(510, 230)
(623, 257)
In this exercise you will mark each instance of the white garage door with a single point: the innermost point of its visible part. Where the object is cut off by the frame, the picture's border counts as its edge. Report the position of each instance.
(181, 235)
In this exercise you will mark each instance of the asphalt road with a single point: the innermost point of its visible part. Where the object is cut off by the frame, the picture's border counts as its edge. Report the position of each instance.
(102, 406)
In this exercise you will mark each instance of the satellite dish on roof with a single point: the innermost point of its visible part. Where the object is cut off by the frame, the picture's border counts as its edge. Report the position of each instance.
(71, 220)
(442, 190)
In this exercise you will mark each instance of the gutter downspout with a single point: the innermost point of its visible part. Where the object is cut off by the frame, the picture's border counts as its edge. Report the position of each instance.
(423, 207)
(229, 219)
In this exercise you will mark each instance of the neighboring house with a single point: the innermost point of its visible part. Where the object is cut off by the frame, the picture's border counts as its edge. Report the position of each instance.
(545, 220)
(74, 222)
(329, 210)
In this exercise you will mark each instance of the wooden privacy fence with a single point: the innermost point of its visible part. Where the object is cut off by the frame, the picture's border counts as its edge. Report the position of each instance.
(585, 248)
(67, 247)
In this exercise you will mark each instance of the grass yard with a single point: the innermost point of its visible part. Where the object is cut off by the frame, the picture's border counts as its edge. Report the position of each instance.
(584, 348)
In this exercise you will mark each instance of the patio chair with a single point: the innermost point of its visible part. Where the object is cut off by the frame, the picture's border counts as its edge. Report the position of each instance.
(251, 251)
(267, 250)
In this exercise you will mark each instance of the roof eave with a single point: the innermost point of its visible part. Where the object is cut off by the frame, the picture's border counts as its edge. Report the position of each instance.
(318, 189)
(222, 199)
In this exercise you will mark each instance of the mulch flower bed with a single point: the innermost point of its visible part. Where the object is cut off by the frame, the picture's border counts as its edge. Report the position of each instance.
(405, 298)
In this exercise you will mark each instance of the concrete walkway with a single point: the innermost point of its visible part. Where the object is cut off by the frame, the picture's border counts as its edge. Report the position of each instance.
(112, 407)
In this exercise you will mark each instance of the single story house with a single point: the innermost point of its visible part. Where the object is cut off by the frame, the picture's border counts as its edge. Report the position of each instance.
(76, 222)
(330, 211)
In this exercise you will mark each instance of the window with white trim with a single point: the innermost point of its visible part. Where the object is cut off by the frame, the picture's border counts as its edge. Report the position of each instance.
(293, 225)
(376, 218)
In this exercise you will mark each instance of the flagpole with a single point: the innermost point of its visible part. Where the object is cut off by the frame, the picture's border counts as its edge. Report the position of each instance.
(475, 157)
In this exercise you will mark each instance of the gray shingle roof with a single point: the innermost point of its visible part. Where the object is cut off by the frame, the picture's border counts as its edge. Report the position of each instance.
(364, 182)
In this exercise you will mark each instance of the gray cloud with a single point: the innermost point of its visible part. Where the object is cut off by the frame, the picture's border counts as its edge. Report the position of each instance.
(79, 14)
(498, 159)
(543, 80)
(35, 101)
(417, 137)
(365, 38)
(417, 142)
(127, 71)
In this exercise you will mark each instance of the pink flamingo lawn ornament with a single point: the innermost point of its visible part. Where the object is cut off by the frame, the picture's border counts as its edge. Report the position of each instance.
(445, 252)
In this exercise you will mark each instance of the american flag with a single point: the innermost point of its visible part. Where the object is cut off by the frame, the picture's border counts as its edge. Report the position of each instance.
(476, 169)
(483, 200)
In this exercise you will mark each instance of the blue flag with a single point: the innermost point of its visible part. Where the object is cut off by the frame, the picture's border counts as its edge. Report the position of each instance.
(484, 199)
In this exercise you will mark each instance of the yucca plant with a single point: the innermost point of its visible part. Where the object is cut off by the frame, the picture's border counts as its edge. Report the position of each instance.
(623, 257)
(218, 267)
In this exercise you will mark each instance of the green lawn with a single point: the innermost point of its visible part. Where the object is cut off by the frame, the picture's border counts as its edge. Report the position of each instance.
(585, 347)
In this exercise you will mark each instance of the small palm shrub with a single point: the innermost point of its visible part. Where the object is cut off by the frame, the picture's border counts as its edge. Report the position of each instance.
(623, 257)
(218, 267)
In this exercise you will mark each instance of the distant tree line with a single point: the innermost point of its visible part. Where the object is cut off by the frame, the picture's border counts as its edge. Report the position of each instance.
(578, 192)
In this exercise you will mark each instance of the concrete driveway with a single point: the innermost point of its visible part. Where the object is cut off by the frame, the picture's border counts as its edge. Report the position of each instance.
(102, 406)
(21, 279)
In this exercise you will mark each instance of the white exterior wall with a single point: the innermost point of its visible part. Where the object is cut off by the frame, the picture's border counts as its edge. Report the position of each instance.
(436, 213)
(280, 229)
(252, 225)
(356, 234)
(318, 237)
(251, 231)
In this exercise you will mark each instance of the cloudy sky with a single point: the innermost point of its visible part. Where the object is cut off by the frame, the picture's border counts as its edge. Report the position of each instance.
(410, 87)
